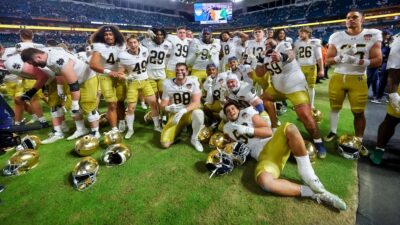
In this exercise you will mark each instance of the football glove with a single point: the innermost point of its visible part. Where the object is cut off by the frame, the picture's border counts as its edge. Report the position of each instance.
(349, 59)
(174, 108)
(151, 34)
(394, 99)
(179, 115)
(242, 130)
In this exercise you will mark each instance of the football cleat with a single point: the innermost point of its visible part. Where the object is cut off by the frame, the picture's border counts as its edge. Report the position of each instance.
(53, 137)
(315, 185)
(129, 134)
(78, 134)
(330, 199)
(86, 145)
(84, 174)
(21, 162)
(143, 105)
(321, 150)
(330, 137)
(196, 144)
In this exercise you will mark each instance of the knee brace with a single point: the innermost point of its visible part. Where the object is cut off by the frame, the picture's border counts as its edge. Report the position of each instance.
(74, 86)
(93, 116)
(57, 112)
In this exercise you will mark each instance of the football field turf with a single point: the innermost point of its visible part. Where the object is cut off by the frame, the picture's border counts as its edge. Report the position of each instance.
(172, 186)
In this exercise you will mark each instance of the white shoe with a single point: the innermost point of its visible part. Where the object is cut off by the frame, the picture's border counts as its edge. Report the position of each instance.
(330, 199)
(64, 127)
(158, 129)
(315, 185)
(197, 145)
(77, 134)
(96, 134)
(129, 134)
(53, 137)
(122, 126)
(143, 105)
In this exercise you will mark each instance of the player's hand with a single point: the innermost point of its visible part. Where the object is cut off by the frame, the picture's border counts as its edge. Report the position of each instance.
(114, 74)
(321, 74)
(349, 59)
(275, 56)
(151, 34)
(174, 108)
(243, 130)
(350, 51)
(394, 99)
(229, 128)
(179, 115)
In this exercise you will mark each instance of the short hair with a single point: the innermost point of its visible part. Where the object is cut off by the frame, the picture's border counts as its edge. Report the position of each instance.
(98, 36)
(229, 103)
(181, 64)
(181, 28)
(26, 34)
(133, 36)
(27, 54)
(156, 30)
(258, 28)
(356, 10)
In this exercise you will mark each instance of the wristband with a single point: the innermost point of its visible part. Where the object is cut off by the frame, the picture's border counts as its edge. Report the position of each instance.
(366, 62)
(106, 71)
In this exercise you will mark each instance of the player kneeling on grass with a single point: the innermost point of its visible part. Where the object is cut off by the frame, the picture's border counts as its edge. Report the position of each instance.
(272, 152)
(134, 62)
(181, 98)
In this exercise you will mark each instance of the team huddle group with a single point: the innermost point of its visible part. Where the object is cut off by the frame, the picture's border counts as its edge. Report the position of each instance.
(230, 84)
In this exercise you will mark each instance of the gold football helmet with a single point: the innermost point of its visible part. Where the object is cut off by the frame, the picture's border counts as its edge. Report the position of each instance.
(84, 173)
(29, 142)
(103, 122)
(21, 161)
(217, 141)
(349, 146)
(318, 116)
(86, 145)
(219, 162)
(112, 137)
(311, 150)
(147, 117)
(239, 152)
(116, 154)
(205, 134)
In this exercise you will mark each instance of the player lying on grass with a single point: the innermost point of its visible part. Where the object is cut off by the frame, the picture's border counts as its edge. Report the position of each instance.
(272, 152)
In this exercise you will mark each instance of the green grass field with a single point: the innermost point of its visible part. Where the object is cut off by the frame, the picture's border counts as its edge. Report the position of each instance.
(171, 186)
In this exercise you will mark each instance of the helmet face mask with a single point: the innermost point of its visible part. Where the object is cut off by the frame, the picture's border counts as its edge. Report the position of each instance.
(349, 147)
(84, 173)
(21, 162)
(116, 154)
(219, 163)
(239, 152)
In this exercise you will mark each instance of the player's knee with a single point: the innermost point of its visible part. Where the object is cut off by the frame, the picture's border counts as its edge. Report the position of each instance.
(266, 181)
(112, 106)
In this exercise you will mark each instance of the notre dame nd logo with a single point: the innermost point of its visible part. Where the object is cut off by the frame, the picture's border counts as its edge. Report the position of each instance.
(60, 62)
(16, 66)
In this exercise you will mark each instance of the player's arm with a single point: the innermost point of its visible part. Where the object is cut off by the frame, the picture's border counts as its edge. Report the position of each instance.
(193, 53)
(35, 73)
(331, 54)
(375, 56)
(261, 128)
(243, 36)
(195, 103)
(95, 64)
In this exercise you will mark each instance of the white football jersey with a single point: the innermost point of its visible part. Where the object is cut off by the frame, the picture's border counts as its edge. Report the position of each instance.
(136, 65)
(157, 53)
(286, 77)
(244, 96)
(179, 52)
(394, 55)
(218, 86)
(14, 65)
(180, 94)
(229, 48)
(363, 42)
(57, 58)
(203, 50)
(245, 118)
(109, 54)
(24, 45)
(254, 52)
(308, 52)
(242, 72)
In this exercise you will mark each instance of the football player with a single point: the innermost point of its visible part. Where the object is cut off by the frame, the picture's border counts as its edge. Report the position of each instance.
(134, 63)
(309, 54)
(243, 72)
(351, 51)
(202, 52)
(215, 87)
(108, 42)
(229, 46)
(287, 81)
(272, 152)
(255, 48)
(392, 119)
(180, 49)
(181, 98)
(83, 86)
(159, 51)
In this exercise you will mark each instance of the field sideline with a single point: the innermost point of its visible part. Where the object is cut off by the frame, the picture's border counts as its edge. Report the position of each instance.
(171, 186)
